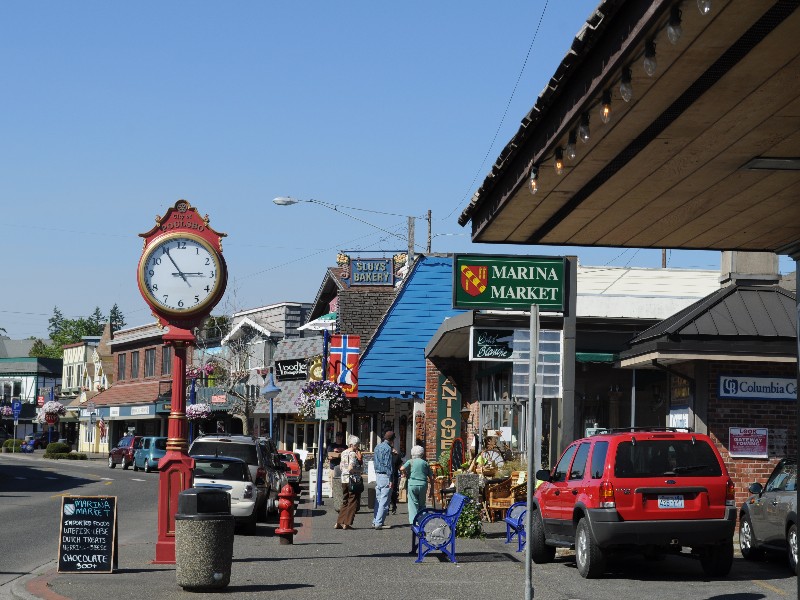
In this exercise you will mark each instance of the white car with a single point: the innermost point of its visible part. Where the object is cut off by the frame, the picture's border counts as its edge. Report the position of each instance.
(232, 475)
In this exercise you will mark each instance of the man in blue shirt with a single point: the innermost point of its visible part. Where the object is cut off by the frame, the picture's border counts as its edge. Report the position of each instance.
(383, 484)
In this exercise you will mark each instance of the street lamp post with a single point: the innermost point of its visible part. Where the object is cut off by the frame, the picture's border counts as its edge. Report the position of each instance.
(270, 390)
(288, 201)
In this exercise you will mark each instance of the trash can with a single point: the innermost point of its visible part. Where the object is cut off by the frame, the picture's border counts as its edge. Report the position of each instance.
(203, 539)
(336, 488)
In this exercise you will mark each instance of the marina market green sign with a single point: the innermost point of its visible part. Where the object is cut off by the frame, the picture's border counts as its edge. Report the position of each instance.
(482, 281)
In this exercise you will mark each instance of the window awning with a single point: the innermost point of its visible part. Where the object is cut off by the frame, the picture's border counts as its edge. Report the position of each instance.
(595, 357)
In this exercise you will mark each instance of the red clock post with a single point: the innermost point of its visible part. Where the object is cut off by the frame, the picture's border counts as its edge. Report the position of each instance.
(182, 275)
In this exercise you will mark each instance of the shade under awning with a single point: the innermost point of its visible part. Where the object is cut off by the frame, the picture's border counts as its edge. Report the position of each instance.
(595, 357)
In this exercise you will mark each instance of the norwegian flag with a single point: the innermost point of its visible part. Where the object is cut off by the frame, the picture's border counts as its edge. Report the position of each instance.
(343, 362)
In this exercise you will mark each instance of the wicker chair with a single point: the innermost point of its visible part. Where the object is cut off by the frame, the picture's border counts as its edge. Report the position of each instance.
(500, 496)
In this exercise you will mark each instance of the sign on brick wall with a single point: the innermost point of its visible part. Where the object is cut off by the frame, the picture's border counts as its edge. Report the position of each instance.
(757, 388)
(448, 413)
(748, 442)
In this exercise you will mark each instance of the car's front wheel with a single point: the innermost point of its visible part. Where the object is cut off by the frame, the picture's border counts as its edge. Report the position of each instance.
(717, 559)
(147, 467)
(589, 557)
(540, 552)
(135, 466)
(125, 464)
(747, 540)
(111, 463)
(791, 542)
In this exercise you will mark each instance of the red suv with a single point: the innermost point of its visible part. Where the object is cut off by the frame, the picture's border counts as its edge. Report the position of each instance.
(122, 453)
(651, 490)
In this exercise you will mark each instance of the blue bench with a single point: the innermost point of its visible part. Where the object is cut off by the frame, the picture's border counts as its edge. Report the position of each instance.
(436, 529)
(515, 524)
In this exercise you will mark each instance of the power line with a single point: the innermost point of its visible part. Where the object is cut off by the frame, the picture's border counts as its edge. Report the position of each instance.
(503, 118)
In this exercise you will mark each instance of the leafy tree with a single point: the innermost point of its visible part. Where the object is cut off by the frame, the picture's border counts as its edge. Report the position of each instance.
(67, 331)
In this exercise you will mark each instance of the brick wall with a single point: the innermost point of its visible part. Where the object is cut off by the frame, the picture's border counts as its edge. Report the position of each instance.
(779, 417)
(459, 371)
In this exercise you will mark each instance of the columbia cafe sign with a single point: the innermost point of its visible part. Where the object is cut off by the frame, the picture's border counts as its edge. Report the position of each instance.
(482, 281)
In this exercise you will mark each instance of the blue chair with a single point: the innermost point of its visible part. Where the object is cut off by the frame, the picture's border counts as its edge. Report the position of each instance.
(515, 524)
(436, 529)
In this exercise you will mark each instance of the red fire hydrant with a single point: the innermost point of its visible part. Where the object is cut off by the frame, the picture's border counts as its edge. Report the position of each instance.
(286, 528)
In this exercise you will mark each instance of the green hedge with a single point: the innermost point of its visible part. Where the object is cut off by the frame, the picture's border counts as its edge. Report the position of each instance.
(66, 455)
(57, 448)
(12, 442)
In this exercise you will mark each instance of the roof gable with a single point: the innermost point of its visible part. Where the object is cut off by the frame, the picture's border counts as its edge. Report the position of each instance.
(393, 364)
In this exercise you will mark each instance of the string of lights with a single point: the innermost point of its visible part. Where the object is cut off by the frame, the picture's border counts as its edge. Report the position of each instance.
(569, 151)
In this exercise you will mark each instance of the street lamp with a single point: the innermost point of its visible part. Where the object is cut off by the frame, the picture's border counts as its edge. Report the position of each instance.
(288, 201)
(270, 390)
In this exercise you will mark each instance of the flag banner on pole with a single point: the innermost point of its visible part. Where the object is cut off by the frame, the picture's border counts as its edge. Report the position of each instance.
(343, 362)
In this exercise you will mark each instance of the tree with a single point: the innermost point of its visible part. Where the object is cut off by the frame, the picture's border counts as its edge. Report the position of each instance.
(67, 331)
(234, 373)
(116, 318)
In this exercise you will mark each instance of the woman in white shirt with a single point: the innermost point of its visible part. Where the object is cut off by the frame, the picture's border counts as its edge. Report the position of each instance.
(351, 464)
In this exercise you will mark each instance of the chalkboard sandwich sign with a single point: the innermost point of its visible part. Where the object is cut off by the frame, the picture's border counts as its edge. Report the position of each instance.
(88, 534)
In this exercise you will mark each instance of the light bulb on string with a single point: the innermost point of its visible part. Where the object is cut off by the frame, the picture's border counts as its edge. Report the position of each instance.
(605, 108)
(559, 161)
(583, 128)
(625, 85)
(533, 183)
(704, 6)
(571, 150)
(674, 28)
(650, 64)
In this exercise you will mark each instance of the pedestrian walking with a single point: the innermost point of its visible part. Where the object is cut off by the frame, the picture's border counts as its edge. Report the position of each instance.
(420, 481)
(383, 482)
(351, 463)
(397, 460)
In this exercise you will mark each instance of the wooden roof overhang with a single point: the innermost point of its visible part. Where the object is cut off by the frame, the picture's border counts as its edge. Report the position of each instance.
(672, 168)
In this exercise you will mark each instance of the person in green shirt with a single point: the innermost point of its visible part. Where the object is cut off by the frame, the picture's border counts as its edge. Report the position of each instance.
(420, 481)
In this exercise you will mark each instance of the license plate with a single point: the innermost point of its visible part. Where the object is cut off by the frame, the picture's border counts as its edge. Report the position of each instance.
(670, 502)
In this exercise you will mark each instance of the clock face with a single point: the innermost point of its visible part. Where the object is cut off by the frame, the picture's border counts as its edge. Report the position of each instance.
(180, 273)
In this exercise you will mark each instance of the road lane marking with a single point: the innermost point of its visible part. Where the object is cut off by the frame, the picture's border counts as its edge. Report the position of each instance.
(107, 482)
(134, 479)
(769, 587)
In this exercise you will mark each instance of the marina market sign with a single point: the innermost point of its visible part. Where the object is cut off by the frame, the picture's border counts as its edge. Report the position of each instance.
(482, 281)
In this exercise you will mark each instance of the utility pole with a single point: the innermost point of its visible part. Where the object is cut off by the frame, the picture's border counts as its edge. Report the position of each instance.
(428, 251)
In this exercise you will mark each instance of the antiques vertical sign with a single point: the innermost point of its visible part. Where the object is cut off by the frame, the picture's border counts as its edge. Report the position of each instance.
(88, 534)
(448, 415)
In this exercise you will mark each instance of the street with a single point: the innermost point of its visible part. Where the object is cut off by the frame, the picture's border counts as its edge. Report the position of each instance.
(31, 487)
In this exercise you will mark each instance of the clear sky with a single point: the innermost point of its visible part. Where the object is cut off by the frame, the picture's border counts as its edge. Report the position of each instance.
(112, 111)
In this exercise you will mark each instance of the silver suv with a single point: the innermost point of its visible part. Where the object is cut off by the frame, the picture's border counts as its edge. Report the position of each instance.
(248, 449)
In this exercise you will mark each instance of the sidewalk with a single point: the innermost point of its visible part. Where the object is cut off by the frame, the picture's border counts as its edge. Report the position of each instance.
(323, 563)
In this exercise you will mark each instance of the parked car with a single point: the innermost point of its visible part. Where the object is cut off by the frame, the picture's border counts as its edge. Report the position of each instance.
(232, 475)
(40, 439)
(273, 459)
(294, 472)
(248, 449)
(149, 451)
(122, 453)
(768, 520)
(654, 491)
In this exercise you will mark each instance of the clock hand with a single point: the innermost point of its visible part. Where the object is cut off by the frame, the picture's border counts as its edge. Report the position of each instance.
(172, 260)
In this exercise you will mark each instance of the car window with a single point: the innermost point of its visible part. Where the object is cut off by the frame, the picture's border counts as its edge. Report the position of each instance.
(560, 472)
(245, 452)
(145, 444)
(579, 464)
(124, 442)
(650, 458)
(227, 471)
(599, 459)
(160, 444)
(782, 478)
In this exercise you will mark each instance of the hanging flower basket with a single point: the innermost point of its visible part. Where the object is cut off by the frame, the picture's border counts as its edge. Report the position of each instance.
(203, 371)
(198, 412)
(51, 412)
(6, 412)
(338, 403)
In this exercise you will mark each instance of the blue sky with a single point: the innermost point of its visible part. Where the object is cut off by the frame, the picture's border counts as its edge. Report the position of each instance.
(113, 111)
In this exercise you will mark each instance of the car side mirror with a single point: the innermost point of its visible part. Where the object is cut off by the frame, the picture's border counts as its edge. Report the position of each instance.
(756, 488)
(543, 475)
